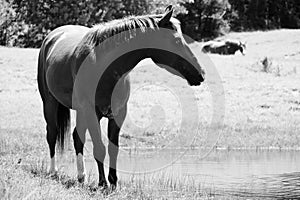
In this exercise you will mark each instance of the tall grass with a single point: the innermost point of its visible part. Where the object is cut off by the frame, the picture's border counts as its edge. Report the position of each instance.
(161, 185)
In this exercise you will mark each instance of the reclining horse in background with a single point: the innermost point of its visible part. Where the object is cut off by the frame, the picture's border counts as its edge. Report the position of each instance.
(71, 52)
(228, 47)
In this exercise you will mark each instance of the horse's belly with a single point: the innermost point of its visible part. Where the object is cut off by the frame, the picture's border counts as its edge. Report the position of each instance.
(111, 105)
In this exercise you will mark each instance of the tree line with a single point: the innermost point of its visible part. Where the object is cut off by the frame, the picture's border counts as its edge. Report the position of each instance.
(206, 19)
(26, 23)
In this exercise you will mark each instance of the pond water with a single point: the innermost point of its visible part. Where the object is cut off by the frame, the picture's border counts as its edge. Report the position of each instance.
(261, 174)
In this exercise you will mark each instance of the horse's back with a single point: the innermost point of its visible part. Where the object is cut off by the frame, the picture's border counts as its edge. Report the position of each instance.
(55, 61)
(61, 42)
(213, 46)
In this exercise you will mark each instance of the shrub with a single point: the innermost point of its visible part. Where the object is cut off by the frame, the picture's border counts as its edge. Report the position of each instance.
(266, 64)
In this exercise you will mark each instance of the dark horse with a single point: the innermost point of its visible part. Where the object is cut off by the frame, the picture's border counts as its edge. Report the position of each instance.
(68, 49)
(228, 47)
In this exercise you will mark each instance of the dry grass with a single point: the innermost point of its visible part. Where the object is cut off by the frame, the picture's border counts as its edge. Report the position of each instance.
(262, 110)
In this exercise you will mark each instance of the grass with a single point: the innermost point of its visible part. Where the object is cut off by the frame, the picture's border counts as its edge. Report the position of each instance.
(262, 110)
(33, 182)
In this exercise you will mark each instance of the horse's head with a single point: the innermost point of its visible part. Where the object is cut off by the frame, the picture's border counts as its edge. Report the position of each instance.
(176, 56)
(242, 47)
(234, 46)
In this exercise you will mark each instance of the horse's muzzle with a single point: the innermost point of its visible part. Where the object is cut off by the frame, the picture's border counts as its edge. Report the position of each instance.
(196, 82)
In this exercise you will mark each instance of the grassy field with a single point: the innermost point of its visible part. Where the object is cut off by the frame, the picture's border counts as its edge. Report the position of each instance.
(262, 110)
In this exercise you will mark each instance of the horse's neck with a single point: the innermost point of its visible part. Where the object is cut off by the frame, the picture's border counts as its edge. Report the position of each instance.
(128, 61)
(121, 67)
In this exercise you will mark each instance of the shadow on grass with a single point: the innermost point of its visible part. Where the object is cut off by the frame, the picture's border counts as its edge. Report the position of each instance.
(39, 169)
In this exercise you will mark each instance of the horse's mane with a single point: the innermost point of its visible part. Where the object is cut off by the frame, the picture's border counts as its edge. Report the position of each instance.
(111, 34)
(120, 30)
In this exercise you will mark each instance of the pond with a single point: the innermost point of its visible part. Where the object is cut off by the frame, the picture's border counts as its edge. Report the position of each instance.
(260, 174)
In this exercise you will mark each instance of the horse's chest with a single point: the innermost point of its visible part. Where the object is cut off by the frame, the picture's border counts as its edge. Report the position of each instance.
(110, 105)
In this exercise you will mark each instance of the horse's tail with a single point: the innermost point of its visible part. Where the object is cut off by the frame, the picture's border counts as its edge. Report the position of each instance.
(63, 126)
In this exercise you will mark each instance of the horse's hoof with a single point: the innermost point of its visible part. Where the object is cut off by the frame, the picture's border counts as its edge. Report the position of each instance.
(103, 187)
(102, 184)
(93, 186)
(81, 179)
(113, 187)
(53, 172)
(104, 190)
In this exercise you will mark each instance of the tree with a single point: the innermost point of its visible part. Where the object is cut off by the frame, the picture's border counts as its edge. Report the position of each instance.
(136, 7)
(7, 15)
(204, 18)
(265, 14)
(37, 18)
(289, 14)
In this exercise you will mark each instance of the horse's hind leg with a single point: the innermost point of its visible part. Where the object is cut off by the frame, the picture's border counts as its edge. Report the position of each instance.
(114, 126)
(79, 140)
(50, 114)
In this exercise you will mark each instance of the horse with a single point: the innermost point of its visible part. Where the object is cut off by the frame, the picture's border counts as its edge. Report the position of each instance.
(68, 50)
(228, 47)
(233, 46)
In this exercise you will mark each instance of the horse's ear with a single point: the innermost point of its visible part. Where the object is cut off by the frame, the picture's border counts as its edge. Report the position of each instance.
(167, 16)
(243, 43)
(168, 8)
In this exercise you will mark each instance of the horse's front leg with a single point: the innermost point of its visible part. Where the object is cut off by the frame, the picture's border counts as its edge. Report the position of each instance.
(114, 126)
(98, 147)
